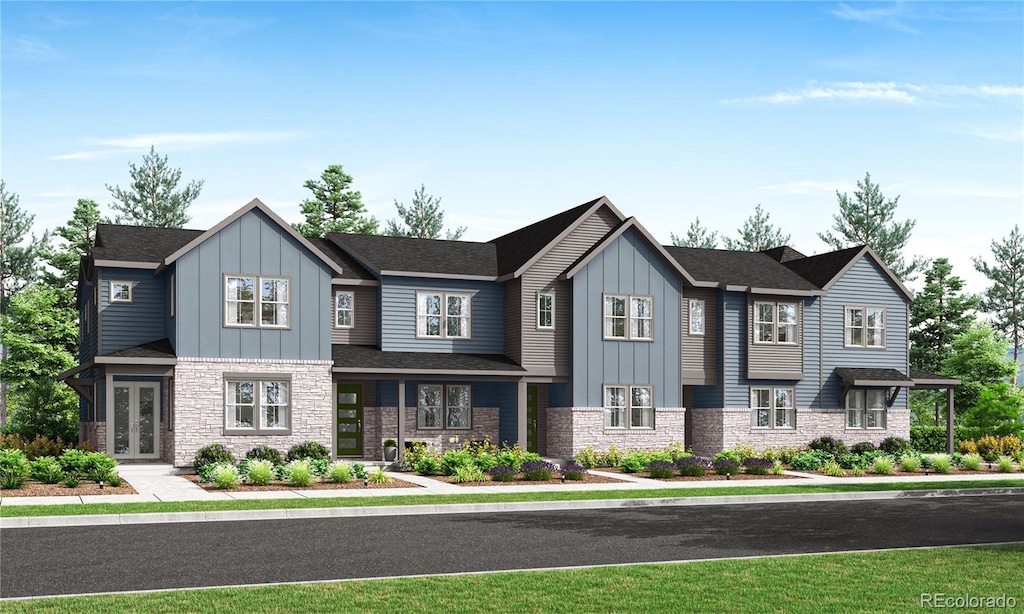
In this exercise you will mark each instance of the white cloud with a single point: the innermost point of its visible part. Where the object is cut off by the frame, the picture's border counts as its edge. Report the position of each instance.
(177, 141)
(884, 91)
(888, 15)
(31, 49)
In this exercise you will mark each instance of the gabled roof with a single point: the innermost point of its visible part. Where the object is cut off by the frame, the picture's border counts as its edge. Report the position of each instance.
(352, 269)
(783, 253)
(367, 358)
(139, 244)
(735, 270)
(253, 204)
(824, 270)
(384, 255)
(519, 249)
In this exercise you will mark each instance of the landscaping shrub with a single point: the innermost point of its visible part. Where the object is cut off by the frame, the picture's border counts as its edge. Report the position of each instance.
(825, 443)
(340, 472)
(225, 475)
(265, 452)
(1009, 445)
(259, 472)
(857, 471)
(514, 456)
(379, 477)
(967, 446)
(882, 465)
(782, 453)
(728, 455)
(299, 472)
(538, 471)
(833, 469)
(661, 469)
(676, 451)
(485, 461)
(612, 458)
(849, 461)
(428, 465)
(74, 462)
(693, 466)
(43, 446)
(726, 466)
(744, 450)
(988, 447)
(46, 469)
(469, 473)
(659, 455)
(971, 462)
(941, 463)
(777, 468)
(311, 450)
(1005, 464)
(453, 460)
(862, 447)
(71, 481)
(587, 457)
(809, 460)
(757, 466)
(14, 469)
(634, 462)
(910, 463)
(213, 453)
(99, 467)
(574, 471)
(359, 470)
(929, 438)
(894, 446)
(115, 481)
(503, 473)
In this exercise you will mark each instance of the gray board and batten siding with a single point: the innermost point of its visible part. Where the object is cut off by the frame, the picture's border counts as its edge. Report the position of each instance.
(626, 266)
(398, 315)
(700, 352)
(251, 245)
(125, 325)
(365, 316)
(546, 351)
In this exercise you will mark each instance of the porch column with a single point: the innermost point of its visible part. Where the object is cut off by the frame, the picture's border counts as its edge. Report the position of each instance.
(401, 418)
(949, 420)
(521, 428)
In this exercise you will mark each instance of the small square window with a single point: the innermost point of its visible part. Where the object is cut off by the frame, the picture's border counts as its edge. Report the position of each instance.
(120, 292)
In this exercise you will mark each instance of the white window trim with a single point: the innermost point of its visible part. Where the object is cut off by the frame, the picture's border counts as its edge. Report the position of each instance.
(703, 315)
(131, 291)
(864, 410)
(775, 323)
(444, 314)
(629, 317)
(444, 408)
(552, 295)
(351, 310)
(257, 300)
(287, 303)
(772, 409)
(258, 427)
(864, 326)
(627, 423)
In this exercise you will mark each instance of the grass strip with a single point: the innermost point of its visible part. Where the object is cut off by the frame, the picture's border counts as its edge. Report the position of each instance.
(891, 581)
(79, 509)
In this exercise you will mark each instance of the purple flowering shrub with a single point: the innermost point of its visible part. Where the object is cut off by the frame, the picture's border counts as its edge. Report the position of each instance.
(503, 473)
(693, 466)
(538, 471)
(660, 469)
(574, 471)
(758, 466)
(726, 467)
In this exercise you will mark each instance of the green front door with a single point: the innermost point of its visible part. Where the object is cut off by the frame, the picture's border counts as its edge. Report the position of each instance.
(349, 403)
(531, 418)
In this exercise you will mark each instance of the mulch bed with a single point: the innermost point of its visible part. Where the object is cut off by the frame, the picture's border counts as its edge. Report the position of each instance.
(710, 477)
(897, 473)
(38, 489)
(519, 481)
(317, 485)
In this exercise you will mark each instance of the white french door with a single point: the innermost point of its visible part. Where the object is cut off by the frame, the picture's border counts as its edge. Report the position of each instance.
(133, 432)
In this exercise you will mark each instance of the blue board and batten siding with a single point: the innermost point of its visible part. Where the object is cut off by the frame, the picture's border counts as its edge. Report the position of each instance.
(252, 245)
(626, 266)
(398, 316)
(125, 325)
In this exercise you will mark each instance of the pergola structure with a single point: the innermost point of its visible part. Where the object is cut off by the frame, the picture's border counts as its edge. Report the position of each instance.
(930, 381)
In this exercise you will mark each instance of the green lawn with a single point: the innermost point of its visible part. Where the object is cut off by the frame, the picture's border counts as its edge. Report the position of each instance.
(256, 504)
(890, 581)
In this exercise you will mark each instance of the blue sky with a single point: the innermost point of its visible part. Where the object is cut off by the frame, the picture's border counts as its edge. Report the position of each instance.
(513, 111)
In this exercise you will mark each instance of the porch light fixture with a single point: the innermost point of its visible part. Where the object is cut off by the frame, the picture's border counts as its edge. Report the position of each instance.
(563, 478)
(366, 482)
(101, 484)
(728, 476)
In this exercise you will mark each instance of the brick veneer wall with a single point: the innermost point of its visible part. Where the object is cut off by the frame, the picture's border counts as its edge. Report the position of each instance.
(199, 405)
(571, 429)
(717, 429)
(94, 434)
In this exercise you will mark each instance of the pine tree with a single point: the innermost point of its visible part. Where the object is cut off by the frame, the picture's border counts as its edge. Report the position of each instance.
(868, 220)
(423, 219)
(79, 236)
(335, 206)
(757, 234)
(153, 198)
(938, 315)
(1004, 299)
(696, 236)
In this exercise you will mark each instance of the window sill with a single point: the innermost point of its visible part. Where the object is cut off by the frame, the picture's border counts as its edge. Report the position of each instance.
(234, 432)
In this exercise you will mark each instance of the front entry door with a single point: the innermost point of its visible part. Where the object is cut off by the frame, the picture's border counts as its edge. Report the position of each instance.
(531, 418)
(134, 433)
(350, 419)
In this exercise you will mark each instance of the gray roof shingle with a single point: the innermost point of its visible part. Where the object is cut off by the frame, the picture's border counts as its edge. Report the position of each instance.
(139, 243)
(851, 375)
(381, 253)
(350, 268)
(820, 269)
(154, 349)
(367, 357)
(517, 247)
(735, 268)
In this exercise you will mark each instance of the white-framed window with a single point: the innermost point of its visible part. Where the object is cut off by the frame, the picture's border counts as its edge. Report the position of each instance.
(865, 327)
(865, 408)
(696, 316)
(344, 309)
(121, 292)
(773, 407)
(775, 322)
(172, 295)
(443, 315)
(257, 405)
(242, 302)
(628, 407)
(443, 406)
(546, 310)
(628, 317)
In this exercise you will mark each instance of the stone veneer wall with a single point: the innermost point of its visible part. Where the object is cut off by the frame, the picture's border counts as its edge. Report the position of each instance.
(717, 429)
(94, 434)
(571, 429)
(200, 404)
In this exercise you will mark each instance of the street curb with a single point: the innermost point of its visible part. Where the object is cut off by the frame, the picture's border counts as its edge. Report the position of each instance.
(484, 508)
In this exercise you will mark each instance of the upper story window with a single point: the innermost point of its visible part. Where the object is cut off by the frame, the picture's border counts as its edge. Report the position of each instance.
(257, 405)
(775, 322)
(242, 303)
(865, 408)
(344, 310)
(121, 292)
(443, 406)
(443, 315)
(628, 317)
(865, 327)
(546, 310)
(773, 407)
(696, 316)
(628, 407)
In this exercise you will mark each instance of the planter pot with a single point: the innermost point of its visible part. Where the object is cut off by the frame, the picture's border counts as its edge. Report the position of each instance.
(390, 453)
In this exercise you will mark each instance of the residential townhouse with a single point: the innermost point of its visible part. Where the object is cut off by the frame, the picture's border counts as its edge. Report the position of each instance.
(578, 330)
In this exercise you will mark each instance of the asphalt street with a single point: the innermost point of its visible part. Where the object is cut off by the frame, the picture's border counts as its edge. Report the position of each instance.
(69, 560)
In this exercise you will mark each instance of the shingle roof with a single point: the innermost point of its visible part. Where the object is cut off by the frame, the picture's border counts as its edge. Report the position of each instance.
(350, 268)
(734, 268)
(783, 253)
(860, 376)
(153, 349)
(820, 269)
(380, 253)
(517, 247)
(139, 243)
(366, 357)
